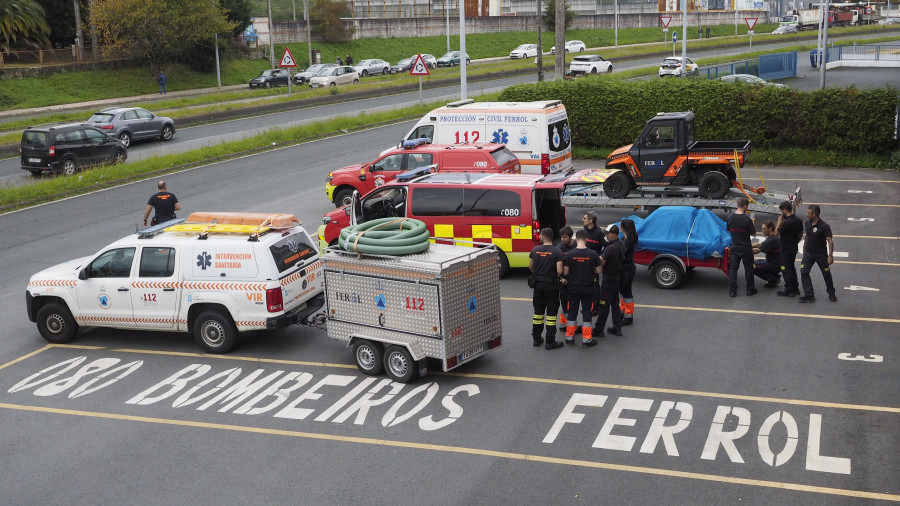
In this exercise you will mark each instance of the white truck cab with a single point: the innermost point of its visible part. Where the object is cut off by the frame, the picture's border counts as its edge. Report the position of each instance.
(214, 274)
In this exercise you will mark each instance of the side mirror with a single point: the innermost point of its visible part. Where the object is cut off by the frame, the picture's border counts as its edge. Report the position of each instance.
(82, 274)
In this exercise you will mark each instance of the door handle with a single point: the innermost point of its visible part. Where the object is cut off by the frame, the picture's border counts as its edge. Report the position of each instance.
(123, 289)
(169, 289)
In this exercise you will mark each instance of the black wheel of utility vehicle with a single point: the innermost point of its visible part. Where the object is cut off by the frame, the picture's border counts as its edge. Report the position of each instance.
(618, 185)
(399, 364)
(215, 332)
(69, 167)
(369, 357)
(167, 133)
(56, 324)
(125, 137)
(714, 185)
(343, 197)
(667, 274)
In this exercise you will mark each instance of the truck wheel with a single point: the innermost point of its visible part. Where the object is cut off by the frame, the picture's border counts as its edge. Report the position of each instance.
(369, 357)
(667, 274)
(714, 185)
(504, 264)
(618, 185)
(399, 364)
(55, 323)
(343, 197)
(215, 332)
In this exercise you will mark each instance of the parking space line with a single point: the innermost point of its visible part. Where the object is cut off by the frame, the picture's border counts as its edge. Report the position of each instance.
(754, 313)
(834, 180)
(464, 451)
(867, 237)
(23, 357)
(860, 204)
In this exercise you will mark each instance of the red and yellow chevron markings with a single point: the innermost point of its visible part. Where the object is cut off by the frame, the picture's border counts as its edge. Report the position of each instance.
(53, 282)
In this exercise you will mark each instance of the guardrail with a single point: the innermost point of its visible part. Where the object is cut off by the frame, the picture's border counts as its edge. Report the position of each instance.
(868, 55)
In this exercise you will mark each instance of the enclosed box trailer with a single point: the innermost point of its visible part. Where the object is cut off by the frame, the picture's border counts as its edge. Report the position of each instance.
(398, 311)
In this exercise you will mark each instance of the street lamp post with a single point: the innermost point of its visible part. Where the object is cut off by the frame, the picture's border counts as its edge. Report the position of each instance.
(218, 71)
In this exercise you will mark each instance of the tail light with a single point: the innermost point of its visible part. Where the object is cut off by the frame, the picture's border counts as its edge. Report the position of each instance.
(274, 300)
(451, 362)
(105, 127)
(52, 150)
(535, 231)
(495, 342)
(545, 163)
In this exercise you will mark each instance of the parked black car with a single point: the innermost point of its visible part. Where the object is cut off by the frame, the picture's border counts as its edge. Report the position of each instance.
(269, 78)
(67, 148)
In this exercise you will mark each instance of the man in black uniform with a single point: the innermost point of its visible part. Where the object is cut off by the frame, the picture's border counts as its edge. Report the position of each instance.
(566, 244)
(595, 235)
(790, 231)
(580, 267)
(818, 249)
(769, 270)
(611, 261)
(741, 228)
(545, 263)
(164, 203)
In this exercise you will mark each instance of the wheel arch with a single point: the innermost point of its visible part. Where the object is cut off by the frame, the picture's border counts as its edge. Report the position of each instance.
(668, 256)
(197, 309)
(416, 351)
(36, 303)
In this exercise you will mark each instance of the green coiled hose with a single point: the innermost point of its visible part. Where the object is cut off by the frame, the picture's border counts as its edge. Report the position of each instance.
(386, 236)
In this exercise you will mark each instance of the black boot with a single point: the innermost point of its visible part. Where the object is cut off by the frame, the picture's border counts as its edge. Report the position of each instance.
(536, 331)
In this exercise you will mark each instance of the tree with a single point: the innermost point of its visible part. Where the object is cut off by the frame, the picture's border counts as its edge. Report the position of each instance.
(61, 23)
(238, 11)
(549, 16)
(325, 19)
(22, 24)
(160, 30)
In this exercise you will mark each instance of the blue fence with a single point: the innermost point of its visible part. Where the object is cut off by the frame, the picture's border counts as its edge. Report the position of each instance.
(768, 66)
(868, 52)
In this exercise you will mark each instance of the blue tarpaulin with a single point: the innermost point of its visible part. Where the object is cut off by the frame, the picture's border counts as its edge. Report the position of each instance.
(683, 231)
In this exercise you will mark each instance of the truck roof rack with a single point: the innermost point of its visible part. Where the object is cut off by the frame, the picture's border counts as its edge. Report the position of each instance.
(204, 223)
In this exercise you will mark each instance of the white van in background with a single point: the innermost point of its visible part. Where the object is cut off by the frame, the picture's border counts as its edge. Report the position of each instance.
(537, 132)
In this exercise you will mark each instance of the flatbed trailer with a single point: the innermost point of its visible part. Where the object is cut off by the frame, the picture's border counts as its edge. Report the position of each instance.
(581, 190)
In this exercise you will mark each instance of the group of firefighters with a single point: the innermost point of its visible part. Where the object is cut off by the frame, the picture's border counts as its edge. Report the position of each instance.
(589, 269)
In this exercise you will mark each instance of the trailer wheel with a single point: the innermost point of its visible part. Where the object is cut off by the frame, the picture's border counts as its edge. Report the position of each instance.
(369, 357)
(618, 185)
(714, 185)
(667, 274)
(399, 364)
(215, 332)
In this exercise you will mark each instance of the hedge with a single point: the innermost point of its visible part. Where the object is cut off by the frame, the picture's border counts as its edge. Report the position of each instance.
(608, 113)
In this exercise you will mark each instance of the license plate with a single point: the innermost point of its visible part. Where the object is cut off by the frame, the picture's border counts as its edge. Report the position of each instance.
(34, 160)
(471, 353)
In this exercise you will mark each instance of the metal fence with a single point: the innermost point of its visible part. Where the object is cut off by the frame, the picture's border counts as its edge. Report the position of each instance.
(769, 66)
(868, 52)
(726, 69)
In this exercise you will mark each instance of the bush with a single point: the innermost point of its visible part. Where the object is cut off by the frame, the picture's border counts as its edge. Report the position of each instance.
(606, 112)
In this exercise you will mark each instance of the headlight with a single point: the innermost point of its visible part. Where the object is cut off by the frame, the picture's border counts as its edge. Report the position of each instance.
(326, 220)
(328, 178)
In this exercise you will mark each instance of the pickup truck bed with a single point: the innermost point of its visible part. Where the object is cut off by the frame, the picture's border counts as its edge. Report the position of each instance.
(741, 146)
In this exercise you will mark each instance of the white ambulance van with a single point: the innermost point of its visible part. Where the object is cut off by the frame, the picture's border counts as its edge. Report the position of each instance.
(537, 132)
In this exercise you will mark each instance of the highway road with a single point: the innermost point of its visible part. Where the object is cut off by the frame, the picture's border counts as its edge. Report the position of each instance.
(705, 400)
(197, 137)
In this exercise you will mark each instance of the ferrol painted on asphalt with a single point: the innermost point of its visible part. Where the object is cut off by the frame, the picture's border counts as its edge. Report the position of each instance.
(803, 445)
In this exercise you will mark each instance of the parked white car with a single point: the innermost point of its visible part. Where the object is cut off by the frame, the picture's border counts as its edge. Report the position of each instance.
(674, 67)
(524, 51)
(572, 46)
(430, 60)
(334, 76)
(589, 64)
(367, 68)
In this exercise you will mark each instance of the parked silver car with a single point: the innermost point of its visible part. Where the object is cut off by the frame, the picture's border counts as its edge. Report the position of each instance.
(371, 67)
(312, 71)
(333, 76)
(132, 123)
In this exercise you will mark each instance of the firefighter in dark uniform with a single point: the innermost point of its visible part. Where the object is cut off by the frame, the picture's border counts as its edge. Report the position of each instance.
(790, 231)
(545, 263)
(611, 260)
(580, 267)
(818, 249)
(629, 241)
(566, 244)
(596, 240)
(769, 270)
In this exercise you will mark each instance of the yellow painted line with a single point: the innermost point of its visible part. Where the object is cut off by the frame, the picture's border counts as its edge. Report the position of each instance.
(834, 180)
(774, 400)
(868, 237)
(466, 451)
(884, 264)
(23, 357)
(754, 313)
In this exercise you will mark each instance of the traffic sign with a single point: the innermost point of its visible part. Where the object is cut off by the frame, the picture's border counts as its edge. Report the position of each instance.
(419, 68)
(674, 36)
(751, 22)
(287, 59)
(665, 20)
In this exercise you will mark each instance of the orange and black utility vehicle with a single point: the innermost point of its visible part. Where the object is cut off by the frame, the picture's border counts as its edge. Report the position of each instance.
(666, 155)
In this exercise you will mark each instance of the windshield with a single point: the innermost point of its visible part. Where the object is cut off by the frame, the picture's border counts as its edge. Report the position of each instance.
(265, 73)
(451, 54)
(325, 72)
(522, 47)
(100, 117)
(314, 68)
(405, 61)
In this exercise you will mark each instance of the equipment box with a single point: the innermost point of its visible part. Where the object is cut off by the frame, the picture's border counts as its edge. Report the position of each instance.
(397, 311)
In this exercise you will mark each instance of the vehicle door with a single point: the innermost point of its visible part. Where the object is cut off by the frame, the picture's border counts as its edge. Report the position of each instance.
(103, 290)
(656, 150)
(99, 145)
(74, 142)
(154, 292)
(383, 170)
(146, 125)
(441, 208)
(498, 216)
(387, 202)
(129, 121)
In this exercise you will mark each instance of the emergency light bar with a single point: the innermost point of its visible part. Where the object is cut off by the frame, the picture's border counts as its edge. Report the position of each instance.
(414, 143)
(409, 175)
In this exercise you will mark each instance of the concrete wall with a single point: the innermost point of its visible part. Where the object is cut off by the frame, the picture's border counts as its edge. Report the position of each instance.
(295, 31)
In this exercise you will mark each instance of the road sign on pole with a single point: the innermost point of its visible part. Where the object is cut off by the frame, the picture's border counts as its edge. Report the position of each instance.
(287, 59)
(674, 40)
(419, 68)
(665, 20)
(751, 22)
